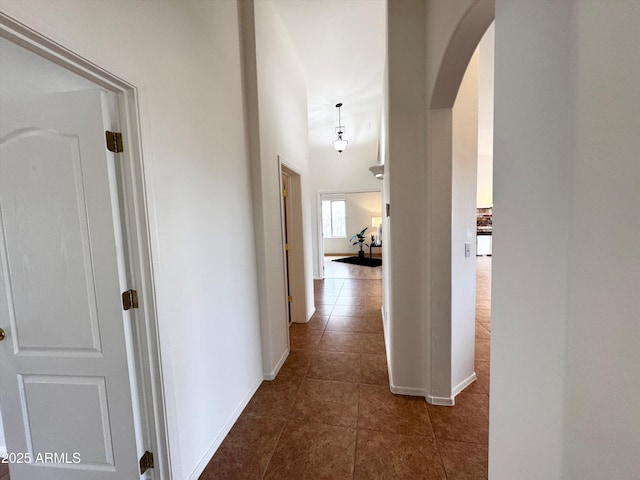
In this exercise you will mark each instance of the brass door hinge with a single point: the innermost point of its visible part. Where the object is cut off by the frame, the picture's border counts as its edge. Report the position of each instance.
(130, 299)
(114, 141)
(146, 462)
(285, 192)
(290, 299)
(287, 247)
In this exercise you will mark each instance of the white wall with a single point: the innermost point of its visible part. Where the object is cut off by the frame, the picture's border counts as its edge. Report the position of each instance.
(602, 358)
(565, 326)
(463, 228)
(529, 280)
(404, 178)
(185, 60)
(282, 111)
(485, 117)
(360, 208)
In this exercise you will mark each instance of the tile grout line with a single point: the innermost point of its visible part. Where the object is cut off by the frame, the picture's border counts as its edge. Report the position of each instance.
(435, 439)
(444, 469)
(275, 447)
(355, 450)
(287, 419)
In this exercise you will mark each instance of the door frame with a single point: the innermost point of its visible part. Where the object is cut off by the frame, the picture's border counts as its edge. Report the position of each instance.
(286, 212)
(135, 218)
(320, 236)
(297, 280)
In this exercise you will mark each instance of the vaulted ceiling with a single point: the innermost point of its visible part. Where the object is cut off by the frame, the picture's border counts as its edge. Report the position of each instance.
(341, 45)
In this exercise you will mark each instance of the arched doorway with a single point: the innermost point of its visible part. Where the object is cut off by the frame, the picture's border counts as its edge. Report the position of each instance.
(442, 255)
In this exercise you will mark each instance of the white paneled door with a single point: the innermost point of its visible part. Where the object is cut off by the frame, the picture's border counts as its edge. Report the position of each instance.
(64, 377)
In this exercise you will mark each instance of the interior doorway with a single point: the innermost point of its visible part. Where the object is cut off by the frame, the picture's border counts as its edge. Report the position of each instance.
(80, 389)
(343, 215)
(484, 221)
(287, 227)
(293, 244)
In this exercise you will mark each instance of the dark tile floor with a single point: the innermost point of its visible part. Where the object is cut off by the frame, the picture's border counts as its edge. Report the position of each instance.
(330, 415)
(4, 471)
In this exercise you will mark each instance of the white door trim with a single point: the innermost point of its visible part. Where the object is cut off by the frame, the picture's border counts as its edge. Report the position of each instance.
(137, 235)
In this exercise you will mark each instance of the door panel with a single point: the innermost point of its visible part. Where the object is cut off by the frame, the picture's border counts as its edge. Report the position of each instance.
(37, 242)
(81, 420)
(65, 378)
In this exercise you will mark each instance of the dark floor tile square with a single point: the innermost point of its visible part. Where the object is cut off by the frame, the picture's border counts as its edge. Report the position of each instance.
(483, 374)
(345, 324)
(246, 451)
(296, 364)
(483, 303)
(483, 316)
(370, 310)
(317, 322)
(325, 300)
(466, 421)
(328, 402)
(373, 343)
(324, 309)
(374, 370)
(348, 310)
(386, 456)
(328, 291)
(374, 304)
(329, 283)
(303, 338)
(350, 342)
(338, 366)
(313, 451)
(381, 410)
(374, 290)
(464, 461)
(481, 331)
(274, 398)
(483, 289)
(483, 349)
(357, 284)
(372, 324)
(374, 312)
(350, 300)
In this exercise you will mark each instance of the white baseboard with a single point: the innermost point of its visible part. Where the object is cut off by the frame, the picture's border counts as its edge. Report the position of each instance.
(464, 384)
(414, 392)
(441, 401)
(273, 373)
(206, 458)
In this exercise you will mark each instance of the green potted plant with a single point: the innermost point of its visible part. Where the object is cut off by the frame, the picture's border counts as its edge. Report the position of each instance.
(358, 238)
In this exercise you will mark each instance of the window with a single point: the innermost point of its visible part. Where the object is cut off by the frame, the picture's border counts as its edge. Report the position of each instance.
(334, 221)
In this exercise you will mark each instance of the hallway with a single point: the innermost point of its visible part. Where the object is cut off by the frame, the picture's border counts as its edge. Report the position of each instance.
(330, 414)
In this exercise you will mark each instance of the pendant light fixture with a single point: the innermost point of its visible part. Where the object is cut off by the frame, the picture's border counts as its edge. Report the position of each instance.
(340, 144)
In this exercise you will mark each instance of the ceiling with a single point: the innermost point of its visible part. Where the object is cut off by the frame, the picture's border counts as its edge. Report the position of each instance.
(341, 45)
